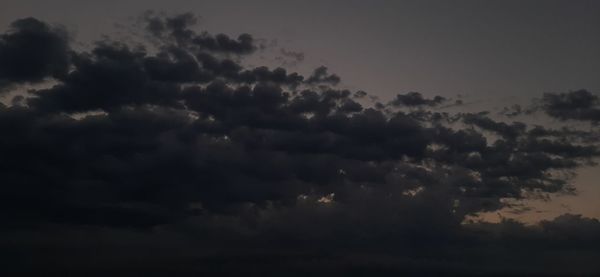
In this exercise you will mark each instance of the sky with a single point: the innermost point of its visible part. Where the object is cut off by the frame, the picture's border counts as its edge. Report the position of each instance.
(338, 138)
(389, 47)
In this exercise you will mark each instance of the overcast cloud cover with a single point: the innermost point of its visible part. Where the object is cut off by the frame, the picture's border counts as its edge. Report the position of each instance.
(171, 156)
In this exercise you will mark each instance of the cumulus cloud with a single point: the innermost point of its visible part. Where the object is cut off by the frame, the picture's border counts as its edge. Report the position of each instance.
(32, 50)
(320, 75)
(178, 29)
(574, 105)
(415, 99)
(187, 148)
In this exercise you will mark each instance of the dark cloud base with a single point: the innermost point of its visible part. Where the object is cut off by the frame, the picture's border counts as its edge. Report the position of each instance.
(178, 160)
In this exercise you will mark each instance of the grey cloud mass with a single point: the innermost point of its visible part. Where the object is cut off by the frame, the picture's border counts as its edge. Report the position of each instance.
(575, 105)
(32, 50)
(183, 161)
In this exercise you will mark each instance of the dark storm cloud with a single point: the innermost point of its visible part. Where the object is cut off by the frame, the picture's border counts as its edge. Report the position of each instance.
(509, 131)
(32, 50)
(570, 134)
(175, 65)
(113, 75)
(414, 99)
(320, 75)
(264, 74)
(575, 105)
(178, 28)
(188, 145)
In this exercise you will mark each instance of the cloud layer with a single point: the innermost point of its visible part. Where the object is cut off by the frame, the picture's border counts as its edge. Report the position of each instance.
(183, 147)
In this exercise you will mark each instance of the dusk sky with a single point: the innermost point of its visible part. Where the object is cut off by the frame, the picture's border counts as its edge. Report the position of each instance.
(319, 138)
